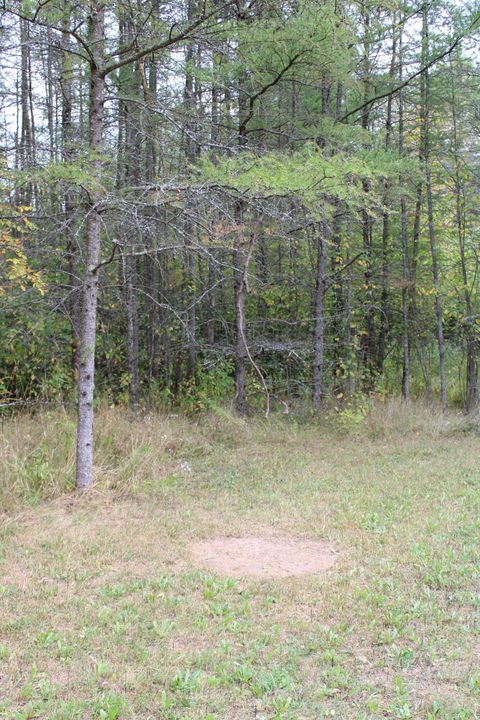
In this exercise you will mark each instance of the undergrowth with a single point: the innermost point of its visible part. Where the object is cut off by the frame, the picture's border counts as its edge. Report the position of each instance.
(138, 451)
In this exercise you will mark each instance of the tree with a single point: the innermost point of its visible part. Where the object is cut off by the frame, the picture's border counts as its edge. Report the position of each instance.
(102, 62)
(275, 197)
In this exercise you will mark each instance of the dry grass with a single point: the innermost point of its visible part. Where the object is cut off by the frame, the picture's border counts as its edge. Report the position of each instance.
(37, 452)
(103, 614)
(396, 418)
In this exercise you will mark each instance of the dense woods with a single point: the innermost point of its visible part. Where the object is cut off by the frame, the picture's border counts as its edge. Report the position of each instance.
(247, 201)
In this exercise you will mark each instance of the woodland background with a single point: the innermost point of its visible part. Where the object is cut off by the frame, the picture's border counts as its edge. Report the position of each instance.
(285, 197)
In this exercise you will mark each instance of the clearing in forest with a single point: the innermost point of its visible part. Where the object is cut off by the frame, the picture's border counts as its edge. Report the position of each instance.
(106, 612)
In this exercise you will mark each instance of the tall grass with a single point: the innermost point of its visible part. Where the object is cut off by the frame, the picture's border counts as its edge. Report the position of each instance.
(396, 418)
(138, 452)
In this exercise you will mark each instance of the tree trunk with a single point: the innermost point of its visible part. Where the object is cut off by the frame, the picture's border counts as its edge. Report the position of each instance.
(348, 329)
(84, 456)
(319, 344)
(239, 259)
(132, 329)
(425, 106)
(404, 242)
(240, 287)
(191, 152)
(152, 278)
(240, 350)
(26, 146)
(368, 338)
(384, 300)
(66, 84)
(133, 166)
(469, 329)
(413, 264)
(405, 318)
(191, 302)
(211, 297)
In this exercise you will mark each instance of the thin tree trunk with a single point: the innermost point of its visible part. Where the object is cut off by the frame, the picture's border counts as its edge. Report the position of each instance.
(66, 84)
(240, 350)
(84, 456)
(129, 173)
(339, 291)
(384, 300)
(211, 298)
(470, 334)
(152, 278)
(429, 198)
(339, 306)
(240, 288)
(191, 306)
(239, 260)
(133, 155)
(49, 97)
(319, 343)
(132, 330)
(26, 154)
(414, 260)
(348, 329)
(404, 242)
(191, 148)
(368, 339)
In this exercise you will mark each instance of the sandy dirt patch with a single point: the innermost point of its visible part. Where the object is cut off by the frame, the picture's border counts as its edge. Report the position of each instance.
(265, 558)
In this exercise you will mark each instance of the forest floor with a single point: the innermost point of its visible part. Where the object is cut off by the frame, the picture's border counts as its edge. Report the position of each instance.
(104, 613)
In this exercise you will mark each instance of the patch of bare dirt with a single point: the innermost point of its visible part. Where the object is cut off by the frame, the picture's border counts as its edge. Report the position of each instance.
(264, 558)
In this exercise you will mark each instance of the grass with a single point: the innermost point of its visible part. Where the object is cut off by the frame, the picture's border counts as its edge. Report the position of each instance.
(102, 614)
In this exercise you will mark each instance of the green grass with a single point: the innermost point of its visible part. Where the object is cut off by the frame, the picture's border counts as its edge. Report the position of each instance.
(102, 614)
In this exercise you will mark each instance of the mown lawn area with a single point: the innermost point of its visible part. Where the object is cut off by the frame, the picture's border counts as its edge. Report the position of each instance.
(104, 615)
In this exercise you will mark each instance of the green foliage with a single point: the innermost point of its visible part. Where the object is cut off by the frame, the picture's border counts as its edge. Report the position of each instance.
(109, 706)
(213, 387)
(286, 110)
(309, 174)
